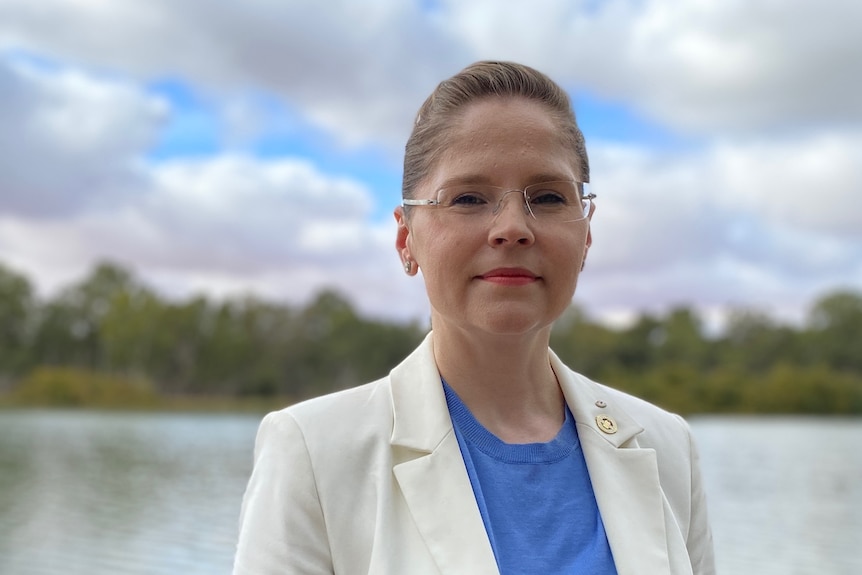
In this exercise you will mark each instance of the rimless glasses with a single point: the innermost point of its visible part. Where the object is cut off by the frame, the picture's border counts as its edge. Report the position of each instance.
(563, 201)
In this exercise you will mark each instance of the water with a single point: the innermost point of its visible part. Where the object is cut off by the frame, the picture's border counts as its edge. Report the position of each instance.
(785, 494)
(117, 493)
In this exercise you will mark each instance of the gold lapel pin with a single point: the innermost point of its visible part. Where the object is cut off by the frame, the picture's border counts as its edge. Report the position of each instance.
(606, 423)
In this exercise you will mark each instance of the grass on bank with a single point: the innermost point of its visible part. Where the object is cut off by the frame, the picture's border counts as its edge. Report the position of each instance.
(67, 387)
(783, 389)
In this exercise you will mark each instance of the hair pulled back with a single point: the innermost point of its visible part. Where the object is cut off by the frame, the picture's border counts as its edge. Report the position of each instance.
(482, 80)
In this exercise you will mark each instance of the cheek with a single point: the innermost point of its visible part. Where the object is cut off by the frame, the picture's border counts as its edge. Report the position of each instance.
(436, 245)
(569, 258)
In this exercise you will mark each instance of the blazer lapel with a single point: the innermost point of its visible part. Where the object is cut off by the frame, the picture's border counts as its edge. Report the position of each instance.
(435, 485)
(432, 476)
(625, 477)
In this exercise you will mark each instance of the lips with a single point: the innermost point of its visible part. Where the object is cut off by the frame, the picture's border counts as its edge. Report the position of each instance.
(509, 276)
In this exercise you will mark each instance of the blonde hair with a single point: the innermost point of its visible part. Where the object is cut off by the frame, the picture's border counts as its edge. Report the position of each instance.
(474, 83)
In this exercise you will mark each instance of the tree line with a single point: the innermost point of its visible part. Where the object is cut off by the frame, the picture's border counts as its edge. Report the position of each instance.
(110, 332)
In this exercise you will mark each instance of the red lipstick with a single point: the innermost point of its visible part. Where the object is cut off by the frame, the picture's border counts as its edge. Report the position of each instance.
(509, 276)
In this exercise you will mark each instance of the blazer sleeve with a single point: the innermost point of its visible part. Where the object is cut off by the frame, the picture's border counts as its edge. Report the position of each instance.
(699, 541)
(282, 528)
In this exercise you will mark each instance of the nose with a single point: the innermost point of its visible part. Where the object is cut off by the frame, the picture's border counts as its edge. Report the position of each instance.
(512, 221)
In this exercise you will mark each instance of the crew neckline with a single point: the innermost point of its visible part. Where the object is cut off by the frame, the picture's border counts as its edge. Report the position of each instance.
(476, 434)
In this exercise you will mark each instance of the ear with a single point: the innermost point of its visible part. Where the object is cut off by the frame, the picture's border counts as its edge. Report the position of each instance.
(402, 237)
(589, 241)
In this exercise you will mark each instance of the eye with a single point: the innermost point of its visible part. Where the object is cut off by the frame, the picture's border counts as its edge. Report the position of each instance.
(553, 195)
(548, 197)
(468, 199)
(463, 197)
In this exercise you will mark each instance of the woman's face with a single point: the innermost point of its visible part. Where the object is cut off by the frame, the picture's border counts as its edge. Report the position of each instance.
(506, 273)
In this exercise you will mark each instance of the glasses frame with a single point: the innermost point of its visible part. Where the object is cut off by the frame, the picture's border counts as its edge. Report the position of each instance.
(584, 197)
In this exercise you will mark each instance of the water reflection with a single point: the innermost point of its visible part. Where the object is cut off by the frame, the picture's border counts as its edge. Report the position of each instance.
(785, 493)
(121, 493)
(116, 493)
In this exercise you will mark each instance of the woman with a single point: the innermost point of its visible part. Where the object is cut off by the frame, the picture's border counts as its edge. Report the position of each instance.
(482, 453)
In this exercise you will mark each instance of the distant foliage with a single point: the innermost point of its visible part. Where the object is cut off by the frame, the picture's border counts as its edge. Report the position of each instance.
(755, 366)
(109, 340)
(111, 324)
(74, 387)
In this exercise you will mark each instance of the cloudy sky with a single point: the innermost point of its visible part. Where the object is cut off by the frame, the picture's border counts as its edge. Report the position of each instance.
(255, 146)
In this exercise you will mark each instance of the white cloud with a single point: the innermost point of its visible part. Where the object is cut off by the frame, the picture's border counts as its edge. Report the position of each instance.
(705, 67)
(733, 224)
(812, 185)
(362, 69)
(238, 209)
(278, 228)
(69, 141)
(358, 69)
(767, 211)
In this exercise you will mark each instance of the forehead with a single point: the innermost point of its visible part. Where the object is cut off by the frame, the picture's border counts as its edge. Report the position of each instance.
(499, 111)
(505, 139)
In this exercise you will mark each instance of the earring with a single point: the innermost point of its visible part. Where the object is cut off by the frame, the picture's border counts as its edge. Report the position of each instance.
(408, 266)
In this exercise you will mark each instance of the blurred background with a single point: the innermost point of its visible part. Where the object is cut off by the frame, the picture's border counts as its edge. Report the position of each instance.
(196, 226)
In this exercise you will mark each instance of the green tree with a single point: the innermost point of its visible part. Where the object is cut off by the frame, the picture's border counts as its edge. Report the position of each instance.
(130, 331)
(16, 317)
(835, 331)
(68, 330)
(176, 361)
(585, 345)
(637, 345)
(755, 342)
(109, 324)
(334, 348)
(679, 339)
(244, 348)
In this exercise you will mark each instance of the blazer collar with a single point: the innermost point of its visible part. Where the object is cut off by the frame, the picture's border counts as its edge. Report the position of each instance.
(422, 417)
(418, 402)
(437, 488)
(433, 478)
(624, 476)
(587, 400)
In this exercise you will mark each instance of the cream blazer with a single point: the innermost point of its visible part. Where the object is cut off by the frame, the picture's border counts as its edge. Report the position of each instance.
(370, 480)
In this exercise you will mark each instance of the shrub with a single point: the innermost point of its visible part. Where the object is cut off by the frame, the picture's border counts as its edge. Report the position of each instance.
(74, 387)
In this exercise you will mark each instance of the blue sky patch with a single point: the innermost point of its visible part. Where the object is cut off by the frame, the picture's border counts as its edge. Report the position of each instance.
(608, 121)
(193, 127)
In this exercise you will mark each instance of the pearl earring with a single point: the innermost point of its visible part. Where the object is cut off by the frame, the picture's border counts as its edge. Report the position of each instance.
(408, 266)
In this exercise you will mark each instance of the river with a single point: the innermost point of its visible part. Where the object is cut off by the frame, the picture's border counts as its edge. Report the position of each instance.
(92, 493)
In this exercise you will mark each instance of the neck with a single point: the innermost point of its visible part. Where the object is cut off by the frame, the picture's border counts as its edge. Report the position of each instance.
(505, 381)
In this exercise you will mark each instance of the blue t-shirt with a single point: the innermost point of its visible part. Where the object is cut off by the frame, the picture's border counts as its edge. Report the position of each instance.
(536, 499)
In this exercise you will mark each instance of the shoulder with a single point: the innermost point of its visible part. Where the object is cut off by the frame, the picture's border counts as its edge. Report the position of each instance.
(365, 416)
(668, 436)
(337, 418)
(296, 501)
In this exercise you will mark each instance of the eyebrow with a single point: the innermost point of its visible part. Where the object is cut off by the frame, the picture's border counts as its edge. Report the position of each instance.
(480, 179)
